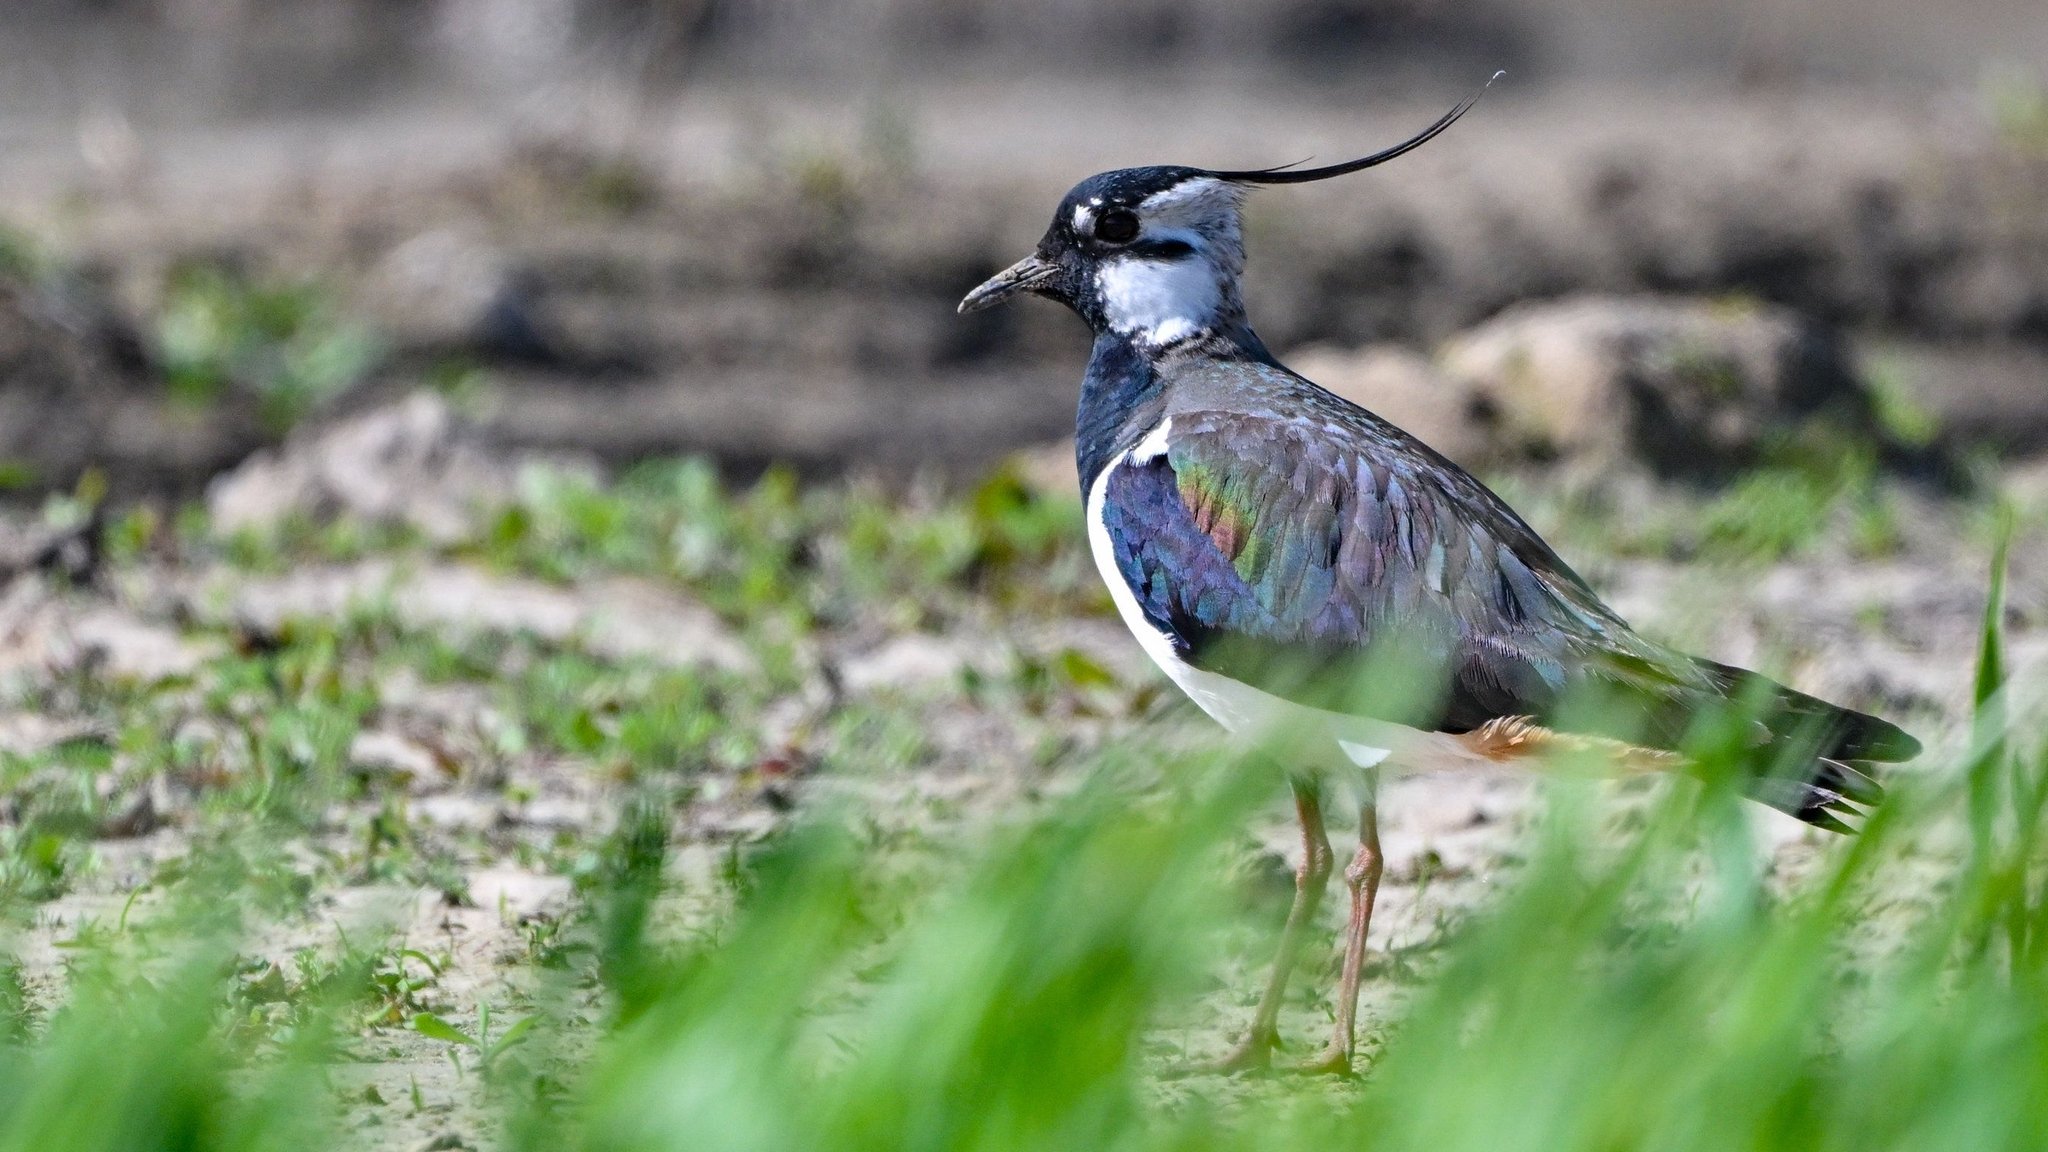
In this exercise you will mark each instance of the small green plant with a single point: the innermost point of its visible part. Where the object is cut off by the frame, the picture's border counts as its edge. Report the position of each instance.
(287, 346)
(21, 258)
(57, 808)
(486, 1050)
(14, 1011)
(2018, 103)
(1899, 412)
(1767, 514)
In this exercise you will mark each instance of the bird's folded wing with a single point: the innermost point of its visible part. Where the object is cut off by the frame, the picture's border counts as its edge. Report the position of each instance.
(1330, 559)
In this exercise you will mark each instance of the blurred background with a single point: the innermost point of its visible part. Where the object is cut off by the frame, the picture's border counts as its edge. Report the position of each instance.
(632, 227)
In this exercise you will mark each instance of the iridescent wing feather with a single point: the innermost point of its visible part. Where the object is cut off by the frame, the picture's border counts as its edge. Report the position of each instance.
(1280, 546)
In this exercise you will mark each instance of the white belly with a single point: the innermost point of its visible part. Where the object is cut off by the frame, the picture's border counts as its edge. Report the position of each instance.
(1336, 739)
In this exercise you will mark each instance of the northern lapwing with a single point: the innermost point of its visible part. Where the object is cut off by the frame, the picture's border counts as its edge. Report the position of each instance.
(1265, 540)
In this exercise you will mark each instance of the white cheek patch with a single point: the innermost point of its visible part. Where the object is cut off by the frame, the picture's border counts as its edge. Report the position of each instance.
(1159, 233)
(1159, 301)
(1199, 203)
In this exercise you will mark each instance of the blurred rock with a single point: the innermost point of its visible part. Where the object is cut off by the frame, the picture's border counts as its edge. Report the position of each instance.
(141, 811)
(68, 547)
(519, 894)
(914, 660)
(1448, 414)
(448, 290)
(413, 463)
(458, 811)
(45, 634)
(560, 813)
(458, 726)
(616, 618)
(381, 752)
(1984, 395)
(792, 300)
(26, 734)
(76, 393)
(1685, 387)
(120, 646)
(45, 364)
(2026, 486)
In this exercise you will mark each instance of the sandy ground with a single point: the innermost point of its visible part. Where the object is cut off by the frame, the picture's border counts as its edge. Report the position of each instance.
(505, 826)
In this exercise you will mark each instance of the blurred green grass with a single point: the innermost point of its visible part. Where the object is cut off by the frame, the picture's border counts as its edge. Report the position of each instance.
(287, 346)
(1653, 986)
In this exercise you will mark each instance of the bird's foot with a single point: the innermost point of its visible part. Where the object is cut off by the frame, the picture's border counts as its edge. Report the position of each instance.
(1334, 1060)
(1254, 1053)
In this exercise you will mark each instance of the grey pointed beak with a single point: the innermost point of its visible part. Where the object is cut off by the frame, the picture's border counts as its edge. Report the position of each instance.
(1025, 275)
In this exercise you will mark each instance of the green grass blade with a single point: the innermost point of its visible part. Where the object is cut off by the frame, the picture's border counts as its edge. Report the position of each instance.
(434, 1028)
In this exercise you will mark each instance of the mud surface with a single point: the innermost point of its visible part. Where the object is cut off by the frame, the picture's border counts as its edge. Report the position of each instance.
(462, 804)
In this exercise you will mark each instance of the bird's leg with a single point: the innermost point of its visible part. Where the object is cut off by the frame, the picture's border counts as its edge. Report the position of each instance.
(1362, 877)
(1310, 878)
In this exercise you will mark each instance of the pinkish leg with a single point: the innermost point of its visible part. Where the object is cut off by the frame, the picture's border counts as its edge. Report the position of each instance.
(1362, 877)
(1310, 879)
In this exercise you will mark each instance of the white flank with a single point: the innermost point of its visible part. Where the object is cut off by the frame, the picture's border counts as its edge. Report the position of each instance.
(1242, 709)
(1158, 645)
(1159, 301)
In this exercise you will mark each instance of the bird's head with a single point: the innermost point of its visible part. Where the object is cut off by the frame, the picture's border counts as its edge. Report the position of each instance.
(1155, 254)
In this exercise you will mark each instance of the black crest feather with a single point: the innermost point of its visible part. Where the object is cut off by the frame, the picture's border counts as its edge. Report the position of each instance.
(1289, 174)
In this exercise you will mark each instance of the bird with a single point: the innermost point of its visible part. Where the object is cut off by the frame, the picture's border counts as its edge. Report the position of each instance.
(1313, 577)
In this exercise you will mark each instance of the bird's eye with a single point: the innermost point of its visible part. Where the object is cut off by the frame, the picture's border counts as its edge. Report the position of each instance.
(1117, 226)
